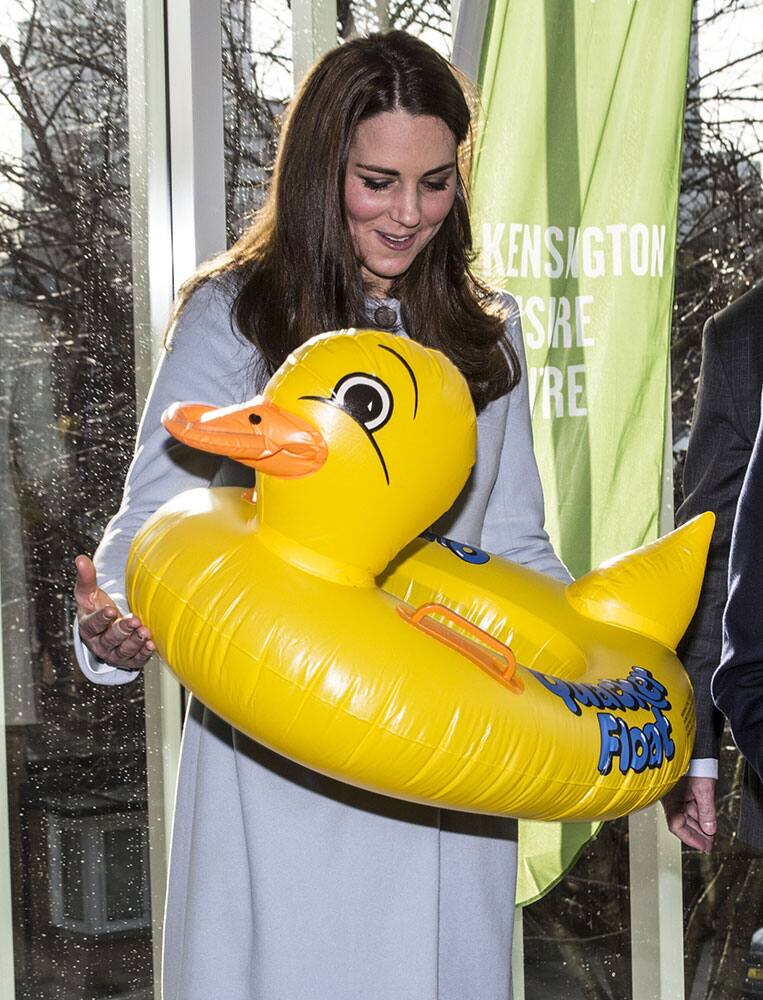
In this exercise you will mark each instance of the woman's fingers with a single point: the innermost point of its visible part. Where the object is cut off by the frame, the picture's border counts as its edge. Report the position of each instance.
(98, 622)
(133, 652)
(86, 585)
(122, 642)
(139, 660)
(135, 648)
(126, 637)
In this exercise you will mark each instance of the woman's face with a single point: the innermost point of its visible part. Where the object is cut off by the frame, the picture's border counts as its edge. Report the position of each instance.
(399, 186)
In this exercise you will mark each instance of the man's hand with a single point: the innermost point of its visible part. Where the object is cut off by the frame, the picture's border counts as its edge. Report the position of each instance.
(690, 812)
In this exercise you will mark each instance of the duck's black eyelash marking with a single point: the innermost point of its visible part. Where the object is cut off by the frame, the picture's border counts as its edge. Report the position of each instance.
(408, 368)
(369, 434)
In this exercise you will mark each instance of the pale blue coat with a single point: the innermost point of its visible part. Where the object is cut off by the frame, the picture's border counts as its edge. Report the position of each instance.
(286, 885)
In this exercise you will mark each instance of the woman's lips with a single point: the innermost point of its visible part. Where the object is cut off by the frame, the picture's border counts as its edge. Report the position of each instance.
(396, 244)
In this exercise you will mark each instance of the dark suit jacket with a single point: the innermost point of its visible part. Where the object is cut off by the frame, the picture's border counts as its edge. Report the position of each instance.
(737, 684)
(726, 418)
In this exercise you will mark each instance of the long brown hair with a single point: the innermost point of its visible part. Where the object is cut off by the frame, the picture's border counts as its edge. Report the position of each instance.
(296, 270)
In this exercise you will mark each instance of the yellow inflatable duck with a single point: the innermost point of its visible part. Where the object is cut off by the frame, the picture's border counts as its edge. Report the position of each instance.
(447, 676)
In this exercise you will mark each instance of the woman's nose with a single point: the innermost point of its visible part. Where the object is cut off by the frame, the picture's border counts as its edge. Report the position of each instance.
(406, 210)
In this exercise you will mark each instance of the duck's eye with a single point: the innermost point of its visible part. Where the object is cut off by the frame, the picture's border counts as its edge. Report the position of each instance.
(366, 398)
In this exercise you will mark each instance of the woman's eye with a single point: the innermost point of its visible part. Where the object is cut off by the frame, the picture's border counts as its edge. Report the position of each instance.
(366, 398)
(373, 185)
(435, 185)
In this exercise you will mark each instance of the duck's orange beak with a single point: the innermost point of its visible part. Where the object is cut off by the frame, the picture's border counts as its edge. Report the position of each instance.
(259, 434)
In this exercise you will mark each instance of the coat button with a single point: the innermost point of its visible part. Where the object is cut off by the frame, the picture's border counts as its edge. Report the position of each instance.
(385, 317)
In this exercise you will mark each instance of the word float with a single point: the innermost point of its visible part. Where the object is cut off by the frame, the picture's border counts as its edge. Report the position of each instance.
(636, 747)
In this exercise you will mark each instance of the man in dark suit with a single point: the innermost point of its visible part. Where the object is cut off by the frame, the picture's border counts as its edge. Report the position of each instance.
(725, 424)
(737, 684)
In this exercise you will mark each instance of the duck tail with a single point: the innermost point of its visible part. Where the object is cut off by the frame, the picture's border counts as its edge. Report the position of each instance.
(653, 590)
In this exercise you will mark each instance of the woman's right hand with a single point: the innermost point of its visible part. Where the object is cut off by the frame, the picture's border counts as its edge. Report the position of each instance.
(123, 642)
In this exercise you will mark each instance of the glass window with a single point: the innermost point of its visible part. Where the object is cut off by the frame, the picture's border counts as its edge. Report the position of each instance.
(257, 84)
(76, 759)
(429, 20)
(723, 902)
(577, 938)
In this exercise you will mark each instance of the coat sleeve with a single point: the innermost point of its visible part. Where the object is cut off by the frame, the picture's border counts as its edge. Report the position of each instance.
(737, 684)
(716, 460)
(515, 515)
(208, 362)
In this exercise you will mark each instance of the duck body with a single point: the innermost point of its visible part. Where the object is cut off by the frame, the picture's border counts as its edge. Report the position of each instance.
(335, 677)
(513, 695)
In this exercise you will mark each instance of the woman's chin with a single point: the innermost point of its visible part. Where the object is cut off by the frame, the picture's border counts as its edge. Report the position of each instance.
(378, 281)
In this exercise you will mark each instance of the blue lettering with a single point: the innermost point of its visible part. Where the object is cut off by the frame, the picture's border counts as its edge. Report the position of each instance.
(560, 688)
(652, 734)
(665, 729)
(618, 692)
(634, 695)
(625, 747)
(607, 696)
(469, 553)
(586, 695)
(610, 741)
(639, 749)
(636, 747)
(652, 690)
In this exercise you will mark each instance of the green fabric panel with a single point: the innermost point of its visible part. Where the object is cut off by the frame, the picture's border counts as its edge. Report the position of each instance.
(575, 201)
(546, 852)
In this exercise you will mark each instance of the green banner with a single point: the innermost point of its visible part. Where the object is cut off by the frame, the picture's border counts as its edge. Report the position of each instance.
(575, 202)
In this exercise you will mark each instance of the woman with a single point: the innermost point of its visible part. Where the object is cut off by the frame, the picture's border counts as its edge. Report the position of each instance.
(285, 884)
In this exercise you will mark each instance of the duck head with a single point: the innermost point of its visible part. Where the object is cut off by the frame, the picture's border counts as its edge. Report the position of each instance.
(361, 440)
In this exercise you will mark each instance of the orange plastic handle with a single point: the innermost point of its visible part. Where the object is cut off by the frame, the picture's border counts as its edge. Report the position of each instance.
(487, 659)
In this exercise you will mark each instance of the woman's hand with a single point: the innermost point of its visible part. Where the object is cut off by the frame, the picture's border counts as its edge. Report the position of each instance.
(122, 642)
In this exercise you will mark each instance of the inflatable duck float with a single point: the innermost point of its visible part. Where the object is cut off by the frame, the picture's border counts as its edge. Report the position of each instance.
(438, 674)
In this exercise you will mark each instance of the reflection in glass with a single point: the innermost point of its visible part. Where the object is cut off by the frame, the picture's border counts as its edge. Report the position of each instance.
(577, 938)
(76, 769)
(72, 902)
(125, 852)
(257, 84)
(427, 19)
(723, 902)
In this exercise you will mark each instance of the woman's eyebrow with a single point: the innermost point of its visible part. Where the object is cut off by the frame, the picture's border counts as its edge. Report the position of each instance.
(396, 173)
(437, 170)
